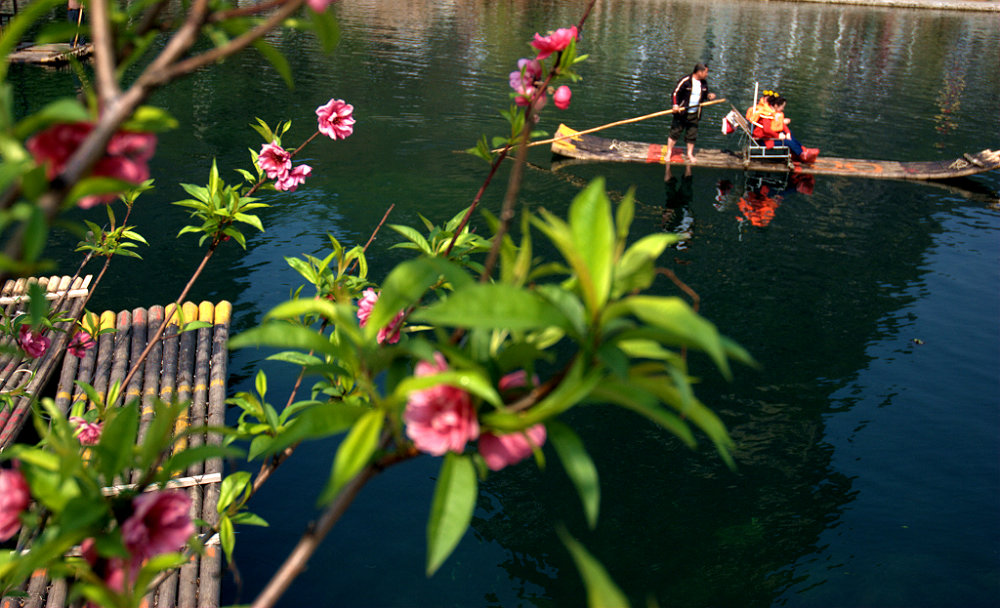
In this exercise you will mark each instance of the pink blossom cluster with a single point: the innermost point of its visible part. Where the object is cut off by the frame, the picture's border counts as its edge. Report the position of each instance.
(525, 81)
(33, 343)
(527, 78)
(335, 119)
(126, 156)
(442, 419)
(276, 163)
(160, 523)
(89, 433)
(14, 499)
(389, 333)
(79, 344)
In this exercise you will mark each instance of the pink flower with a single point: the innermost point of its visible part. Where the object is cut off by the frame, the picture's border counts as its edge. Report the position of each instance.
(524, 79)
(80, 343)
(500, 451)
(126, 157)
(89, 433)
(554, 42)
(441, 418)
(335, 117)
(274, 160)
(291, 180)
(111, 571)
(562, 97)
(320, 5)
(160, 523)
(389, 333)
(14, 498)
(33, 343)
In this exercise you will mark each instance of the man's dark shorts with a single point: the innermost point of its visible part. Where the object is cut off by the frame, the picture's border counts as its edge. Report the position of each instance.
(682, 126)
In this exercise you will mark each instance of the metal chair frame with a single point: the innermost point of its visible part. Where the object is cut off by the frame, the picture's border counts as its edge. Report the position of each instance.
(752, 150)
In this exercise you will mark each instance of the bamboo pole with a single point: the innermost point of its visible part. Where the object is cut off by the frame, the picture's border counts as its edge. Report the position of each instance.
(123, 339)
(36, 589)
(151, 377)
(617, 123)
(166, 592)
(105, 354)
(187, 586)
(211, 564)
(57, 594)
(140, 325)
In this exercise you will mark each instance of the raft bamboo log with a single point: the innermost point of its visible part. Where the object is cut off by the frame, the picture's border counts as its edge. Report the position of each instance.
(105, 348)
(617, 123)
(151, 377)
(187, 586)
(211, 563)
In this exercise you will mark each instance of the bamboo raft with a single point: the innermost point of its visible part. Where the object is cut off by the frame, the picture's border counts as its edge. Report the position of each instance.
(192, 365)
(23, 377)
(583, 147)
(57, 53)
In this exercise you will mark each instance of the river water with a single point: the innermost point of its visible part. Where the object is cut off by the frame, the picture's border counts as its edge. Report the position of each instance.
(869, 438)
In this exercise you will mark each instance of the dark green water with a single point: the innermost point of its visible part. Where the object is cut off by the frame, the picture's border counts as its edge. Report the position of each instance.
(869, 440)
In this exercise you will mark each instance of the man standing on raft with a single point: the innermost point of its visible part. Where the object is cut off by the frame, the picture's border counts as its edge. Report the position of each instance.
(688, 94)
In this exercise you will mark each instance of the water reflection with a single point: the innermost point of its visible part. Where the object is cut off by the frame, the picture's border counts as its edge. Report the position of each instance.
(677, 216)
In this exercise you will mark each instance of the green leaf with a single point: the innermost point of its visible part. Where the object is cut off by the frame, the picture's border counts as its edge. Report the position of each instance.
(227, 536)
(249, 519)
(117, 442)
(579, 467)
(296, 358)
(467, 380)
(678, 319)
(150, 119)
(601, 590)
(327, 29)
(633, 397)
(276, 59)
(38, 306)
(231, 488)
(413, 236)
(451, 511)
(317, 422)
(280, 334)
(306, 306)
(407, 284)
(191, 455)
(355, 452)
(490, 306)
(636, 269)
(594, 236)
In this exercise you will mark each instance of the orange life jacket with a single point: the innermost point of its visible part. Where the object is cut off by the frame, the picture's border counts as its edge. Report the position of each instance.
(771, 123)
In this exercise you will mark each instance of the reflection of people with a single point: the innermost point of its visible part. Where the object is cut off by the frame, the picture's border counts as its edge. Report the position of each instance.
(677, 216)
(771, 127)
(763, 196)
(689, 92)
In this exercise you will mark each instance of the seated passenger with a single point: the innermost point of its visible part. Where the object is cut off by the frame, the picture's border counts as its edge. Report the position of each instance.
(770, 127)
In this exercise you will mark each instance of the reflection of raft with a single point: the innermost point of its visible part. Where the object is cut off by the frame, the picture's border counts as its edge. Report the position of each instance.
(591, 148)
(50, 54)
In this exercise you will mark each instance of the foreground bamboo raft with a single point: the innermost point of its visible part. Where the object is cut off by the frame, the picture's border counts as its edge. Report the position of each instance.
(21, 377)
(191, 365)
